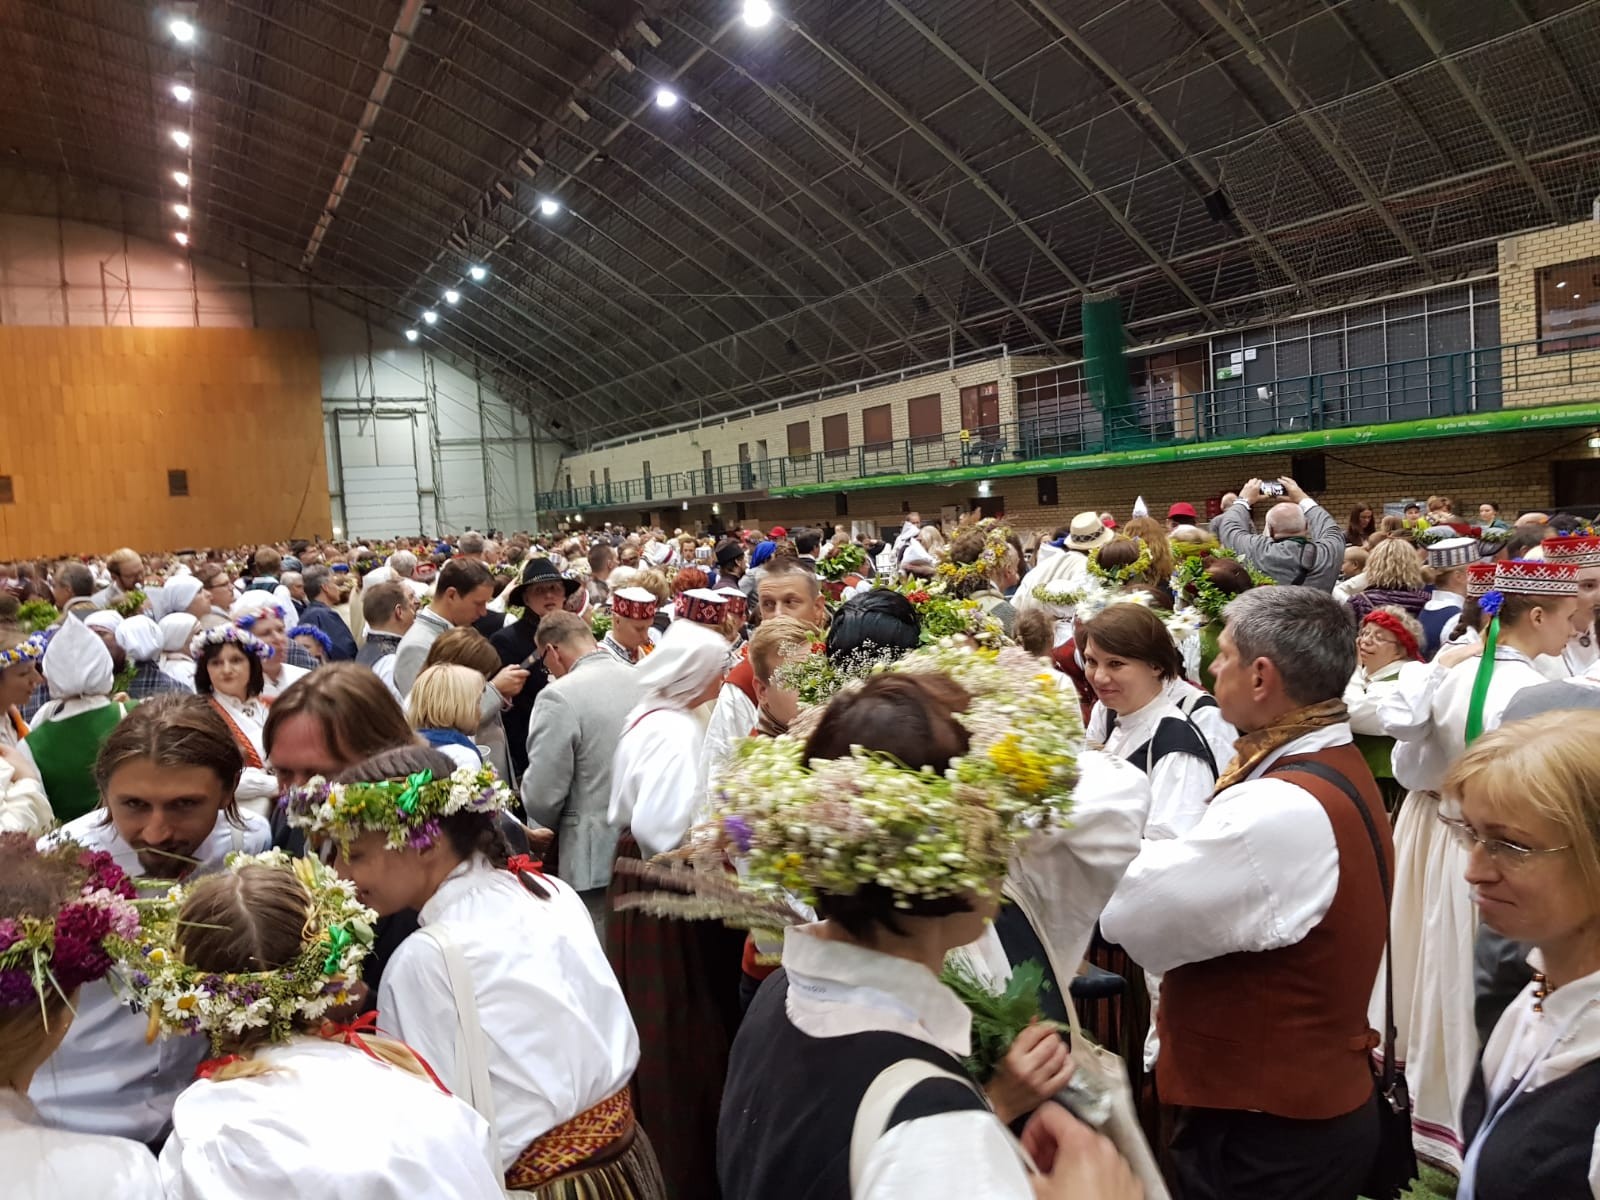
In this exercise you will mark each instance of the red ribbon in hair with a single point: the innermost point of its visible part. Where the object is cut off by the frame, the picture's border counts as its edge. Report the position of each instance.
(350, 1034)
(1392, 623)
(212, 1065)
(518, 863)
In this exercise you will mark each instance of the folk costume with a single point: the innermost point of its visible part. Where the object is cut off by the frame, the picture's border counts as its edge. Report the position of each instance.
(246, 720)
(1433, 714)
(507, 995)
(681, 978)
(634, 603)
(177, 631)
(301, 1114)
(41, 1162)
(1441, 613)
(66, 734)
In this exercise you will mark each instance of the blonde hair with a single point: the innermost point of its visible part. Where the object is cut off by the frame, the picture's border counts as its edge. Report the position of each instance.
(1394, 564)
(930, 537)
(256, 919)
(775, 639)
(655, 582)
(445, 697)
(1154, 535)
(1549, 769)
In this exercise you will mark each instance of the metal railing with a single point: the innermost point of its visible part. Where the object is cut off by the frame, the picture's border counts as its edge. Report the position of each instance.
(1439, 386)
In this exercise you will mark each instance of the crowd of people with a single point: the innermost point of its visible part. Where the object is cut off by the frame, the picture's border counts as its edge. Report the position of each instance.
(1242, 857)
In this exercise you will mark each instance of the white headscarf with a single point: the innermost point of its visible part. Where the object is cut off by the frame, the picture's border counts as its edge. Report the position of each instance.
(176, 631)
(175, 596)
(78, 668)
(103, 618)
(684, 663)
(141, 638)
(259, 601)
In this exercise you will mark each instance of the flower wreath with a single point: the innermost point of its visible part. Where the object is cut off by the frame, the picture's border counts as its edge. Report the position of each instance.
(316, 635)
(830, 827)
(182, 999)
(408, 810)
(38, 615)
(816, 678)
(995, 544)
(130, 605)
(1193, 582)
(844, 560)
(225, 635)
(80, 943)
(1058, 597)
(941, 614)
(30, 649)
(1121, 576)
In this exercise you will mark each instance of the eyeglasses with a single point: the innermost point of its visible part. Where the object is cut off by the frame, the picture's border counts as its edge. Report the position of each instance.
(1503, 853)
(1372, 635)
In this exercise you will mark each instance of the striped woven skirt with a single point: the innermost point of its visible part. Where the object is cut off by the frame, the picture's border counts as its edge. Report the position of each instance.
(601, 1154)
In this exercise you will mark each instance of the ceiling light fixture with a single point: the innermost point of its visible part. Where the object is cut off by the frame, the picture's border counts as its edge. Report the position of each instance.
(479, 274)
(412, 335)
(666, 98)
(452, 296)
(1562, 284)
(181, 178)
(180, 139)
(182, 210)
(182, 93)
(549, 207)
(181, 238)
(757, 13)
(430, 317)
(182, 31)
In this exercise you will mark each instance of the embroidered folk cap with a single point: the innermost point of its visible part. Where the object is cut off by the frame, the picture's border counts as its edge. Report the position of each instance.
(1480, 578)
(1452, 553)
(1573, 551)
(634, 603)
(738, 602)
(702, 606)
(1519, 577)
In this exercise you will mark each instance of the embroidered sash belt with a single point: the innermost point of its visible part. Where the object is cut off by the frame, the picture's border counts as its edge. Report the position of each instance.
(593, 1136)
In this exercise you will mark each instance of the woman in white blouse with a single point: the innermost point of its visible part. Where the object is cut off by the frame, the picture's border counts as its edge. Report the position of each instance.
(1388, 639)
(229, 673)
(1530, 819)
(504, 989)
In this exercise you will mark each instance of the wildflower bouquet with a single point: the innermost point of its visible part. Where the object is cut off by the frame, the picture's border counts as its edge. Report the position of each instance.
(38, 615)
(181, 999)
(830, 827)
(844, 560)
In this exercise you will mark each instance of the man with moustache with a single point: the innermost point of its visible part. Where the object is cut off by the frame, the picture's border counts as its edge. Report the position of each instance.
(106, 1078)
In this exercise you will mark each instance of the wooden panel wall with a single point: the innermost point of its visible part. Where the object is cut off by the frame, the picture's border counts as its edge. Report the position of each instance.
(94, 418)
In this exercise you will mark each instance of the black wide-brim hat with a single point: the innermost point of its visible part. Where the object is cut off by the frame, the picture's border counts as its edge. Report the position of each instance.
(538, 570)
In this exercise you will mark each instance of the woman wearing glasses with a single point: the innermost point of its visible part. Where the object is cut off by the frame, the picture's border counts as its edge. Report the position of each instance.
(1435, 713)
(1529, 795)
(1389, 638)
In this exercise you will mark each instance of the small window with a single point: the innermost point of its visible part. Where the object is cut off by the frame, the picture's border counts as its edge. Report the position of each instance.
(1569, 306)
(7, 496)
(877, 427)
(799, 439)
(924, 419)
(177, 483)
(836, 435)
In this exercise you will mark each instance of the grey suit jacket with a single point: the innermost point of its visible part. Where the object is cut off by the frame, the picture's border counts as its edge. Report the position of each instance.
(1322, 551)
(572, 737)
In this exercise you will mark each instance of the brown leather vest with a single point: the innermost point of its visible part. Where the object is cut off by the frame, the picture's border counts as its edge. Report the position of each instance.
(1285, 1031)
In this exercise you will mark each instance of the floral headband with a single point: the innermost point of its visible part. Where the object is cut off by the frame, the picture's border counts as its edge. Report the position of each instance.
(228, 635)
(830, 827)
(316, 635)
(408, 810)
(182, 999)
(40, 956)
(995, 546)
(1193, 582)
(30, 650)
(1119, 576)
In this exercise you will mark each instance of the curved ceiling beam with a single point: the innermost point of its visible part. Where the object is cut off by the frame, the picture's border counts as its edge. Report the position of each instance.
(1157, 128)
(1474, 101)
(1055, 151)
(985, 277)
(1264, 61)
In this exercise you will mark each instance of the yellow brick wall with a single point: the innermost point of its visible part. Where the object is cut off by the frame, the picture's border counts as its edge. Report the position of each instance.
(683, 450)
(1532, 378)
(1360, 475)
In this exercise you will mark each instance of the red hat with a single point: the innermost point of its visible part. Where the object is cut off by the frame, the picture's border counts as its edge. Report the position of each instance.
(1480, 578)
(1574, 551)
(1110, 522)
(1522, 577)
(633, 602)
(702, 606)
(1182, 509)
(779, 531)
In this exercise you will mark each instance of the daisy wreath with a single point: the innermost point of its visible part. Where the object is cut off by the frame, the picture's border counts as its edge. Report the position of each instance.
(181, 999)
(830, 827)
(407, 810)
